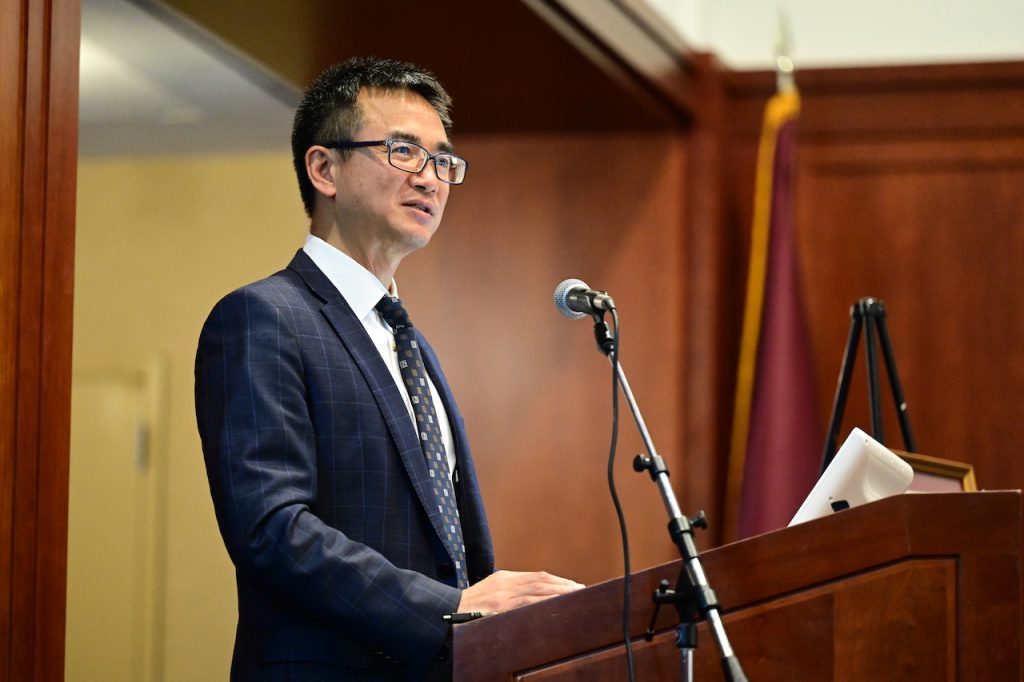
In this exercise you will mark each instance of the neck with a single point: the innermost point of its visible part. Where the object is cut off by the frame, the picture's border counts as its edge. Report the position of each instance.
(374, 257)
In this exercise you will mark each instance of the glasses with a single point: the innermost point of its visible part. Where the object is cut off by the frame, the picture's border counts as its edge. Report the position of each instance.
(412, 158)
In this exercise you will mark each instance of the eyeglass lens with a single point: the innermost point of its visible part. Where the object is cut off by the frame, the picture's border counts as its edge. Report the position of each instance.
(412, 158)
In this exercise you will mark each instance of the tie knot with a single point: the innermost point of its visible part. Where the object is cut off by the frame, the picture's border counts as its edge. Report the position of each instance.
(390, 308)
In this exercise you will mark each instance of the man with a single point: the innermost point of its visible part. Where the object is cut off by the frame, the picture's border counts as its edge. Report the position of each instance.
(332, 487)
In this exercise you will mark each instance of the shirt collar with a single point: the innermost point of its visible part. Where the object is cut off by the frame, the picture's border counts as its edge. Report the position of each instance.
(358, 286)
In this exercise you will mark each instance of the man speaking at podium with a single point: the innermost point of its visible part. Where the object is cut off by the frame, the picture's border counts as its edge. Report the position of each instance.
(338, 463)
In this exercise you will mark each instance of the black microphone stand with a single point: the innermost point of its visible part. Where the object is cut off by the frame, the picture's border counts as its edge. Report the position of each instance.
(692, 595)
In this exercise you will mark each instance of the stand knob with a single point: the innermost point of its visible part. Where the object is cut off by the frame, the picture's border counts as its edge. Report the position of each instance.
(700, 520)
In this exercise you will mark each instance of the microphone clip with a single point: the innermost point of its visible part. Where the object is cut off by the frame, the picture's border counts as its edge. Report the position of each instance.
(605, 341)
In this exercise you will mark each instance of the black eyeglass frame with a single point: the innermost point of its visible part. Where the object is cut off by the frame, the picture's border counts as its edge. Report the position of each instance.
(389, 143)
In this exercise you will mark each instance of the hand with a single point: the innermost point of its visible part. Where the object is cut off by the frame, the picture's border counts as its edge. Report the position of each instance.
(506, 590)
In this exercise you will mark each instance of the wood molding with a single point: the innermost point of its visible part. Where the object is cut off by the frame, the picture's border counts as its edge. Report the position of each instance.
(882, 78)
(38, 154)
(892, 102)
(630, 43)
(511, 69)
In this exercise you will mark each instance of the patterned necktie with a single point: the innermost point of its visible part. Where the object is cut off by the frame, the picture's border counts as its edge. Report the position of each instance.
(414, 375)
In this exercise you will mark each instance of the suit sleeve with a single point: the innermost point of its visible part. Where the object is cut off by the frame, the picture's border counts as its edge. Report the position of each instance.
(259, 446)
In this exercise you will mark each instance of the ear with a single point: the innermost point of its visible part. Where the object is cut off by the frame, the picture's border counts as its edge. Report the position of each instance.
(320, 170)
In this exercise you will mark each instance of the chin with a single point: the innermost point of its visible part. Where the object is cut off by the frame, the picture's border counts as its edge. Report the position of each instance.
(409, 242)
(418, 236)
(421, 242)
(408, 234)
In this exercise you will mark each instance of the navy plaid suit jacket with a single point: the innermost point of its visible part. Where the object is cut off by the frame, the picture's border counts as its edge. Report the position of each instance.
(321, 489)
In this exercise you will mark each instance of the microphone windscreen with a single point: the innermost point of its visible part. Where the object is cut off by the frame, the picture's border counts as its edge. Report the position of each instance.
(561, 294)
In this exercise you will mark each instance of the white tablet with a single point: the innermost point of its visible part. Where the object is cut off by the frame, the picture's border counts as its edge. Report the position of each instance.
(862, 471)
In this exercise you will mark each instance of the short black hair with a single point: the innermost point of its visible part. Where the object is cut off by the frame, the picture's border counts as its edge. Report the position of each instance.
(328, 110)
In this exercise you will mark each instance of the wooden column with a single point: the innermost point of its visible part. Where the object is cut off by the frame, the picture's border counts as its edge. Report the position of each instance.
(38, 152)
(707, 299)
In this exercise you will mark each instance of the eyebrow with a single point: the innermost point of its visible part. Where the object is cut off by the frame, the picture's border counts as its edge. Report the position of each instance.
(409, 137)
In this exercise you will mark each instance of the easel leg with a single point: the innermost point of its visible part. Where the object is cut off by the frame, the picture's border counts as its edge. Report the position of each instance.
(868, 313)
(842, 386)
(894, 383)
(869, 310)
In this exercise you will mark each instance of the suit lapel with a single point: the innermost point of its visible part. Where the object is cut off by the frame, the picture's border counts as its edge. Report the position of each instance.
(382, 385)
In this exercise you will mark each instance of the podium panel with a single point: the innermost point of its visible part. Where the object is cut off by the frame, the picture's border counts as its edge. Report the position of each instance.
(917, 587)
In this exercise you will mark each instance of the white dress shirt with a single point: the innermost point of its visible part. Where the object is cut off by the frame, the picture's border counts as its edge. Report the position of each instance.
(361, 290)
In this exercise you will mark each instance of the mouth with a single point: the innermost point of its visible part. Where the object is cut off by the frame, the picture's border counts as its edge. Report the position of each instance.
(421, 206)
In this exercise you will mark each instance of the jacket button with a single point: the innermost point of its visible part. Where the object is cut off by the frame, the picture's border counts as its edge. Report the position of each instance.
(446, 571)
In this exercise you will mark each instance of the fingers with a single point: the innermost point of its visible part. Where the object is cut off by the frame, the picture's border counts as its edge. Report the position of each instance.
(507, 590)
(529, 588)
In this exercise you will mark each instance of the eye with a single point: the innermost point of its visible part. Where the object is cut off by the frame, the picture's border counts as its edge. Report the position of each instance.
(402, 148)
(443, 160)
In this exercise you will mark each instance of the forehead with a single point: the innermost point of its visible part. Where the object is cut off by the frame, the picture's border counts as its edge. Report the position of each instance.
(384, 112)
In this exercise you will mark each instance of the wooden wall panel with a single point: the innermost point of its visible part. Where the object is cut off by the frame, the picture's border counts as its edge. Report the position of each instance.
(38, 147)
(941, 241)
(908, 190)
(534, 390)
(707, 303)
(878, 214)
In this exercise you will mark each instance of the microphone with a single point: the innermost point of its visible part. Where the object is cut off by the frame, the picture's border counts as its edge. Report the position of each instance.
(575, 299)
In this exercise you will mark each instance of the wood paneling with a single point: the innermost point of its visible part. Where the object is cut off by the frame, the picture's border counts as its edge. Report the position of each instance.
(855, 629)
(908, 191)
(707, 300)
(922, 587)
(38, 146)
(533, 388)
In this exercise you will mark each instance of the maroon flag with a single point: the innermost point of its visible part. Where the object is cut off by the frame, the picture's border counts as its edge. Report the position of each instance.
(775, 452)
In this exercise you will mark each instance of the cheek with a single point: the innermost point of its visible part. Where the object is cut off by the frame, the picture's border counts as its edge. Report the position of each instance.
(442, 199)
(367, 196)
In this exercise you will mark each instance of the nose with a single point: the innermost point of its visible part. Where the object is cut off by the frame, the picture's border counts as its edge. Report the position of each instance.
(426, 180)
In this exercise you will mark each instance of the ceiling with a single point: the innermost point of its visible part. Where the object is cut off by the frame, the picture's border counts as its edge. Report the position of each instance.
(149, 86)
(192, 77)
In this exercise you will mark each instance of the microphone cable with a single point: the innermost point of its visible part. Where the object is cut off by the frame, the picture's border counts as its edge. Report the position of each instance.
(627, 577)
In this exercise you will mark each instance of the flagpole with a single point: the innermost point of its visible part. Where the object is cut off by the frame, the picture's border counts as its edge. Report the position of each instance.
(773, 446)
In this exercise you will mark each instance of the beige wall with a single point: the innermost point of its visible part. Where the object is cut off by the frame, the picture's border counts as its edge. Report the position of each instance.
(158, 242)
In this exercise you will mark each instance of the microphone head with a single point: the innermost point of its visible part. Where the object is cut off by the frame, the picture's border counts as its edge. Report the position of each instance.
(562, 291)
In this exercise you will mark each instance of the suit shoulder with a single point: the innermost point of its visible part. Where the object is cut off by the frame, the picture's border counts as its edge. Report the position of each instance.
(277, 289)
(283, 289)
(279, 297)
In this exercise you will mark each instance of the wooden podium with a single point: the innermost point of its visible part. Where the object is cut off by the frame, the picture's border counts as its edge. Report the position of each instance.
(913, 587)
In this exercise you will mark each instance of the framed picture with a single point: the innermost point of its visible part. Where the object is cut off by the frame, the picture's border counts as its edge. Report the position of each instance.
(937, 475)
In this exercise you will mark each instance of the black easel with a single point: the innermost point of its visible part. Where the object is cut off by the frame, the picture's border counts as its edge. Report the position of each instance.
(868, 313)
